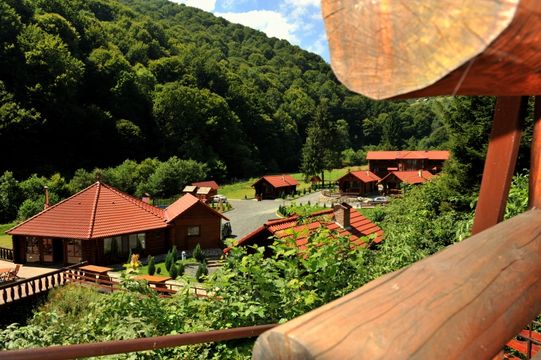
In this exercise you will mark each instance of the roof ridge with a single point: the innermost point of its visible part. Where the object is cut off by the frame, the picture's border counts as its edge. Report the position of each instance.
(159, 213)
(94, 207)
(51, 207)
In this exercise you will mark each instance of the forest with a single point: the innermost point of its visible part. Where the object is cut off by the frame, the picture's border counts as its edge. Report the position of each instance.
(87, 84)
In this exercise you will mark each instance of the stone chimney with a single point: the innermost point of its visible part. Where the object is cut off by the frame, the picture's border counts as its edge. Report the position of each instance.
(420, 173)
(341, 215)
(46, 205)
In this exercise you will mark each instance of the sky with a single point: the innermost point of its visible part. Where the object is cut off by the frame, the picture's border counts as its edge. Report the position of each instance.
(297, 21)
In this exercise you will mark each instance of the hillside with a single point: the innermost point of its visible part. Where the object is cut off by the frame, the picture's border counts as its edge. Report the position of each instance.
(92, 83)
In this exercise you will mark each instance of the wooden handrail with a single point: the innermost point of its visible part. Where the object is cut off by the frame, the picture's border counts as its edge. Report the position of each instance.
(466, 302)
(6, 254)
(126, 346)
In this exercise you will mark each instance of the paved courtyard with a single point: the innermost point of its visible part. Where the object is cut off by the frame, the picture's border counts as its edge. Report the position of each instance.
(248, 215)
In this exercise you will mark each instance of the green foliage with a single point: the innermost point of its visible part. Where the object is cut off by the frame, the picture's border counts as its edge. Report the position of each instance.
(174, 254)
(168, 261)
(9, 197)
(198, 253)
(517, 202)
(173, 271)
(202, 272)
(151, 265)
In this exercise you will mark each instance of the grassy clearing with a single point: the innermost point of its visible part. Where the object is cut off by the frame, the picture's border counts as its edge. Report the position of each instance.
(5, 239)
(244, 190)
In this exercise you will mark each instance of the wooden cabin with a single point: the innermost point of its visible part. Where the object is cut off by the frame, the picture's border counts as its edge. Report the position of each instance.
(100, 224)
(206, 189)
(383, 162)
(343, 219)
(393, 180)
(358, 183)
(275, 186)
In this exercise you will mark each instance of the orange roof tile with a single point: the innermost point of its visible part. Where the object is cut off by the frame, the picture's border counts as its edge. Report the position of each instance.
(411, 177)
(101, 211)
(279, 181)
(365, 176)
(211, 184)
(359, 228)
(95, 212)
(408, 154)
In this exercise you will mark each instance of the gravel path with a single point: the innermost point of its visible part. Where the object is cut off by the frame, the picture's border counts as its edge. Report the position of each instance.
(248, 215)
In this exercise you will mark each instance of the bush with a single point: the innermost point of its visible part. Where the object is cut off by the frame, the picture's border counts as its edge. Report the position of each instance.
(198, 254)
(202, 272)
(151, 265)
(168, 260)
(173, 271)
(180, 268)
(159, 270)
(174, 254)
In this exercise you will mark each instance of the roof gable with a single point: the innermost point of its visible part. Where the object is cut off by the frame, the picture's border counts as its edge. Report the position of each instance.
(183, 204)
(278, 181)
(211, 184)
(365, 176)
(95, 212)
(408, 154)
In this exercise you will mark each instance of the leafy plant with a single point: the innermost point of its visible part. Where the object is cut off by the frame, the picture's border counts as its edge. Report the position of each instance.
(151, 265)
(202, 272)
(198, 253)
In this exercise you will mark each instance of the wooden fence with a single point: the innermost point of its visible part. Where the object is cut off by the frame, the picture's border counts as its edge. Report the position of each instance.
(13, 291)
(6, 254)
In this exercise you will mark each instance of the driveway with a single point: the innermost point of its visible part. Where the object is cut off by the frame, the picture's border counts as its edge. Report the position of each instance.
(248, 215)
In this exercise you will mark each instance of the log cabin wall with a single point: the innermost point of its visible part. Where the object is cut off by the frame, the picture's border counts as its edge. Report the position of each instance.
(209, 229)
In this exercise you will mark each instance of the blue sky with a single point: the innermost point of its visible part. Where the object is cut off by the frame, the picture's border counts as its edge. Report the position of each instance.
(298, 21)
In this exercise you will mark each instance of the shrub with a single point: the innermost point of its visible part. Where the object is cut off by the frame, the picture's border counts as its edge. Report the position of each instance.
(202, 272)
(173, 271)
(180, 268)
(159, 270)
(168, 260)
(151, 265)
(198, 253)
(174, 254)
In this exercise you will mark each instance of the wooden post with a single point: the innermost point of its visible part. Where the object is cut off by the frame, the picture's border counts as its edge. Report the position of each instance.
(500, 161)
(535, 162)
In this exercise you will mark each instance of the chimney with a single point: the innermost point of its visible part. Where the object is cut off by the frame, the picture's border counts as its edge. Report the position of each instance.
(46, 197)
(341, 215)
(420, 173)
(146, 198)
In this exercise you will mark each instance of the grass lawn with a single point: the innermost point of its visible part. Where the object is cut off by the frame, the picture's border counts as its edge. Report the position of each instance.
(163, 272)
(5, 239)
(244, 190)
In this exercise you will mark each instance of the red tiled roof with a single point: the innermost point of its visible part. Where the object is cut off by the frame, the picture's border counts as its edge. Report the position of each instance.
(101, 211)
(183, 204)
(411, 177)
(359, 228)
(365, 176)
(211, 184)
(279, 181)
(408, 154)
(95, 212)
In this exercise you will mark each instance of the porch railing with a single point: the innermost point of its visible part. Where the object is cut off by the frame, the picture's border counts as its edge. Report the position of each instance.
(6, 254)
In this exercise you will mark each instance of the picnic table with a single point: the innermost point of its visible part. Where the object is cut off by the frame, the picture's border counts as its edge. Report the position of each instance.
(100, 272)
(156, 280)
(4, 274)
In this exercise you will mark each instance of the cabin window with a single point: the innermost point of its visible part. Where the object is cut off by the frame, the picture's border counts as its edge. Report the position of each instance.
(32, 249)
(47, 247)
(136, 242)
(193, 230)
(73, 249)
(112, 246)
(121, 245)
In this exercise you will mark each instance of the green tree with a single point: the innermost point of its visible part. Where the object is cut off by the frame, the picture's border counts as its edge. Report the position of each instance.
(10, 197)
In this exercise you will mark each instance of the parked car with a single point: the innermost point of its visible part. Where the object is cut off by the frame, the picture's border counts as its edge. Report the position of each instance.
(218, 198)
(380, 200)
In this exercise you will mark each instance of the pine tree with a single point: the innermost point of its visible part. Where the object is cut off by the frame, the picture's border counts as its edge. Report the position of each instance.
(151, 265)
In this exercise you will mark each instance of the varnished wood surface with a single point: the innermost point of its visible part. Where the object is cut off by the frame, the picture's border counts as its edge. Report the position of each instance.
(500, 161)
(464, 302)
(535, 160)
(413, 48)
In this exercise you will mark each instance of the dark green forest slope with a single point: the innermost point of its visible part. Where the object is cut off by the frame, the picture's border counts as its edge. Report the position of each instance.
(90, 83)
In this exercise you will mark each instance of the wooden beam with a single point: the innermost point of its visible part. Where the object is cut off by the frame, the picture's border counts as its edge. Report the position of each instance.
(413, 48)
(465, 302)
(535, 161)
(500, 162)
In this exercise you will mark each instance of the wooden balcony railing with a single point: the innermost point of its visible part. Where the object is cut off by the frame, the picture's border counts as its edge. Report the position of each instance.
(6, 254)
(466, 301)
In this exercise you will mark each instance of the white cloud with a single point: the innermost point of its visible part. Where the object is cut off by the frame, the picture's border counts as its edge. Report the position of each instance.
(319, 46)
(303, 3)
(207, 5)
(270, 22)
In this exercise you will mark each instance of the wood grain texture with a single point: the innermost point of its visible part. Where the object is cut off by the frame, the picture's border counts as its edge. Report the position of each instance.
(413, 48)
(464, 302)
(500, 161)
(535, 160)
